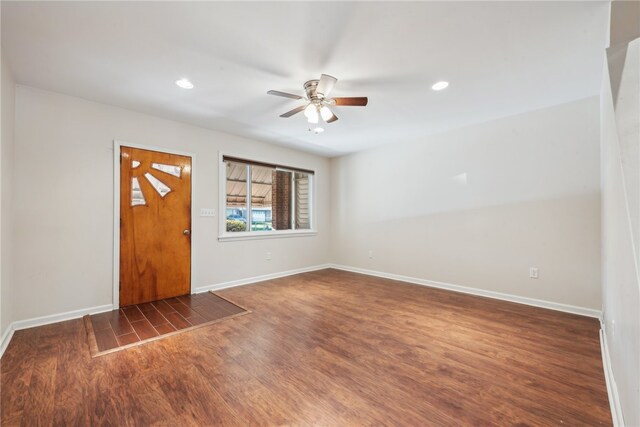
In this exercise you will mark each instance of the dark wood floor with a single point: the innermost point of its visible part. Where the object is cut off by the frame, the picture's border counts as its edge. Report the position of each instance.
(323, 348)
(140, 323)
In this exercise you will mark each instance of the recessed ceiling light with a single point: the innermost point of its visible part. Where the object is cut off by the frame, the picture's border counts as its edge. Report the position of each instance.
(440, 85)
(318, 130)
(184, 84)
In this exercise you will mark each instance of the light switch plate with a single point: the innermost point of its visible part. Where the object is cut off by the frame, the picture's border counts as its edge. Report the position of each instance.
(207, 212)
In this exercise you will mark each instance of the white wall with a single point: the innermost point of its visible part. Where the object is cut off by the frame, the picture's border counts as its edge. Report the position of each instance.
(620, 217)
(627, 112)
(64, 202)
(478, 206)
(7, 93)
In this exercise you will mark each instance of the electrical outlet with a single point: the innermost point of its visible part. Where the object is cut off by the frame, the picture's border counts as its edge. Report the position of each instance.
(370, 254)
(533, 272)
(268, 257)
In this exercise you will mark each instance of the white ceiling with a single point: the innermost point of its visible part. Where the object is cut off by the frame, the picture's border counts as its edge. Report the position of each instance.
(502, 58)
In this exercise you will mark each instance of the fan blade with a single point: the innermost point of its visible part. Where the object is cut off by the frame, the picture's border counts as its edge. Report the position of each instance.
(325, 85)
(353, 101)
(284, 94)
(332, 119)
(294, 111)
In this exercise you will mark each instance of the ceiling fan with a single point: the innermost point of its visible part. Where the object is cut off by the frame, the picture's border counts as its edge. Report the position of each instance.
(319, 102)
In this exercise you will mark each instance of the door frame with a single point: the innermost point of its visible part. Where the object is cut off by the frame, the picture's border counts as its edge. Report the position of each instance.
(117, 144)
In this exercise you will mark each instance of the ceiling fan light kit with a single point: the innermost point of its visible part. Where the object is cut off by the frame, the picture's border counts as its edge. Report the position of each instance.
(325, 113)
(317, 92)
(311, 112)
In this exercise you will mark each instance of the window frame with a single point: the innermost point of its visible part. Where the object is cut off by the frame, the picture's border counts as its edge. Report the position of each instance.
(225, 236)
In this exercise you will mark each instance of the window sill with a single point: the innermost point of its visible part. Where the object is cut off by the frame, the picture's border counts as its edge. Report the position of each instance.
(257, 235)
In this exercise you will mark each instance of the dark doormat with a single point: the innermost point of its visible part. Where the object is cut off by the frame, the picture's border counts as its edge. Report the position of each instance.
(142, 323)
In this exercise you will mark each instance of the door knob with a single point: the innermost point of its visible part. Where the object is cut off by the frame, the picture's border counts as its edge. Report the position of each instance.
(186, 232)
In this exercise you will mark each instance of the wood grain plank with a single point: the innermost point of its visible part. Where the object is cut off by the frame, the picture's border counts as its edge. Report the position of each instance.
(106, 339)
(17, 371)
(40, 401)
(127, 338)
(154, 316)
(147, 306)
(183, 310)
(163, 307)
(101, 321)
(177, 320)
(196, 319)
(321, 348)
(133, 313)
(72, 379)
(144, 329)
(165, 328)
(212, 311)
(120, 324)
(173, 301)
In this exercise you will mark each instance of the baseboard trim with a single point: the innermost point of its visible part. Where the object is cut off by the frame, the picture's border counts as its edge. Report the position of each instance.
(61, 317)
(474, 291)
(256, 279)
(47, 320)
(54, 318)
(6, 338)
(612, 388)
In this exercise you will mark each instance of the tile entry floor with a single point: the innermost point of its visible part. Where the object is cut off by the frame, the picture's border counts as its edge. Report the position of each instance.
(136, 324)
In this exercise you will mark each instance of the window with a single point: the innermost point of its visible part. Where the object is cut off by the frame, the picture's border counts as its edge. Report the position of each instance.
(266, 199)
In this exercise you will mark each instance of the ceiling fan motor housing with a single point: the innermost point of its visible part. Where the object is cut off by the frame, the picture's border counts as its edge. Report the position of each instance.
(310, 88)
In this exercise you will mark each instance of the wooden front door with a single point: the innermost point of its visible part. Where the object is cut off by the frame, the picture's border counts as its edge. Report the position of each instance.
(155, 225)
